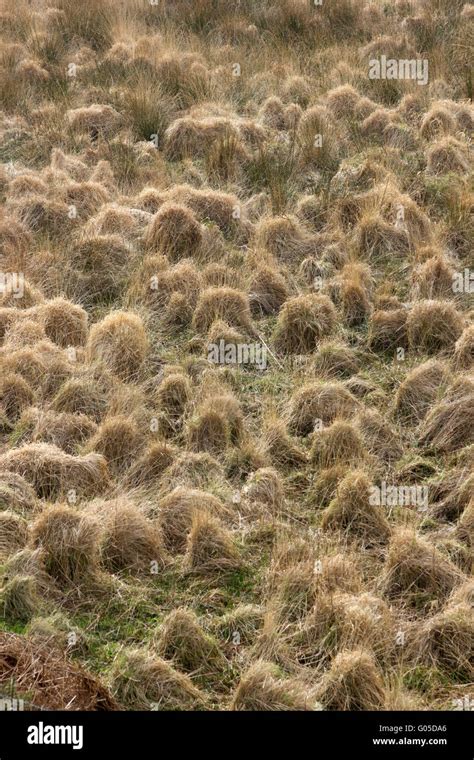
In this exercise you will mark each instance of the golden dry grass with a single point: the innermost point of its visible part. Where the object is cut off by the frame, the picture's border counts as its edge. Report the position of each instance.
(236, 355)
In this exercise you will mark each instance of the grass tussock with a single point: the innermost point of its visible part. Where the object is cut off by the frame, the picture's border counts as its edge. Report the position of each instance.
(415, 571)
(119, 341)
(353, 682)
(353, 512)
(69, 542)
(140, 681)
(302, 322)
(52, 472)
(263, 689)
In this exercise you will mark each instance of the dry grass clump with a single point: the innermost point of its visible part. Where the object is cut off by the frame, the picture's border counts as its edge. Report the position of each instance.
(265, 486)
(352, 290)
(52, 472)
(129, 541)
(437, 122)
(99, 267)
(120, 341)
(15, 395)
(193, 470)
(16, 494)
(220, 330)
(81, 395)
(157, 283)
(297, 89)
(446, 641)
(343, 100)
(228, 407)
(339, 572)
(56, 628)
(267, 291)
(87, 197)
(183, 641)
(420, 389)
(245, 459)
(345, 621)
(225, 303)
(388, 330)
(119, 439)
(8, 317)
(378, 240)
(433, 279)
(284, 238)
(463, 357)
(218, 275)
(95, 119)
(28, 363)
(26, 184)
(376, 123)
(378, 437)
(223, 209)
(433, 326)
(64, 323)
(319, 403)
(302, 322)
(246, 620)
(262, 688)
(19, 599)
(174, 232)
(415, 572)
(66, 431)
(272, 113)
(450, 424)
(30, 296)
(295, 591)
(447, 155)
(116, 220)
(173, 396)
(140, 681)
(148, 468)
(337, 444)
(320, 140)
(51, 680)
(69, 542)
(23, 332)
(176, 513)
(335, 359)
(59, 368)
(44, 216)
(210, 547)
(353, 682)
(13, 533)
(353, 512)
(208, 431)
(188, 136)
(452, 494)
(283, 451)
(326, 484)
(178, 312)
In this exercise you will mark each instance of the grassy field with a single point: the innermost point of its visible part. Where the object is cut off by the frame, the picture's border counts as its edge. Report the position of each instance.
(236, 354)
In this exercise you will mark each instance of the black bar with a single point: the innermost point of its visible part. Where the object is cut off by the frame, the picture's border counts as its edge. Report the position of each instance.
(157, 734)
